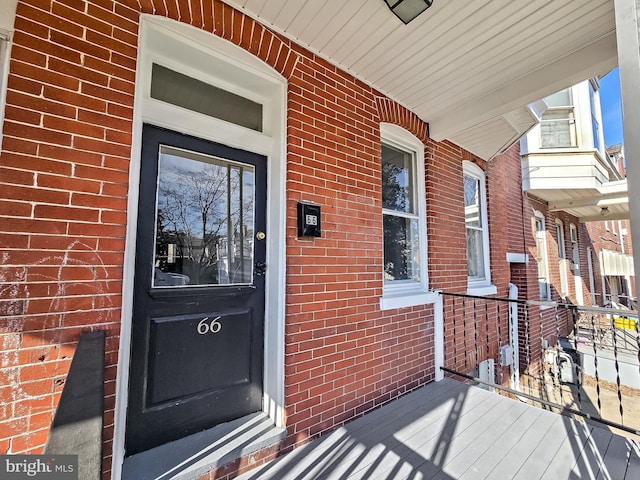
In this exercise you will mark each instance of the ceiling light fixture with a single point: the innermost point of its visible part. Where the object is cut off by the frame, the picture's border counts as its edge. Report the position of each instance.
(604, 211)
(407, 10)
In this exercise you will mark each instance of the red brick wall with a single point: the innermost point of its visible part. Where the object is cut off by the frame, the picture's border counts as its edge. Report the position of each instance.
(518, 214)
(601, 236)
(64, 186)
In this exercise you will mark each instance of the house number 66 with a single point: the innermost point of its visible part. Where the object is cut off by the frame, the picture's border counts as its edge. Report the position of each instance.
(205, 326)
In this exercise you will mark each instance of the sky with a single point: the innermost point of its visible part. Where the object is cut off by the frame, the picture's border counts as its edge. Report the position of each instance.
(611, 108)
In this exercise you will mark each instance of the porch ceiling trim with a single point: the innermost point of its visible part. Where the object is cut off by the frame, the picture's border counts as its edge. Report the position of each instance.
(613, 196)
(463, 67)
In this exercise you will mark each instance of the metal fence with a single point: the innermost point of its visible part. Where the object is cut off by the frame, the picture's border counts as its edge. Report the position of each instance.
(577, 360)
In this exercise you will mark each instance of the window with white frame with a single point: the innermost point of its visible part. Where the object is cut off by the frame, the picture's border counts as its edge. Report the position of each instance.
(575, 252)
(595, 124)
(558, 125)
(404, 218)
(562, 258)
(541, 257)
(477, 226)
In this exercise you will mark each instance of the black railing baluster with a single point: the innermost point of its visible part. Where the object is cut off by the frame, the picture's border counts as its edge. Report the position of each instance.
(500, 342)
(556, 368)
(595, 362)
(475, 332)
(455, 332)
(638, 342)
(527, 341)
(464, 330)
(578, 376)
(617, 366)
(542, 343)
(487, 354)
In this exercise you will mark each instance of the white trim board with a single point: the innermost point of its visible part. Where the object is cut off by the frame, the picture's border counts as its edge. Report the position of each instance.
(215, 60)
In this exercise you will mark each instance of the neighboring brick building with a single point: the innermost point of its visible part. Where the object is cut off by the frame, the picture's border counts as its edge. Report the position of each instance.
(108, 142)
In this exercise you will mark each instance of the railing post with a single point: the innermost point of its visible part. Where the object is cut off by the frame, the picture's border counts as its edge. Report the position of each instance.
(438, 336)
(513, 337)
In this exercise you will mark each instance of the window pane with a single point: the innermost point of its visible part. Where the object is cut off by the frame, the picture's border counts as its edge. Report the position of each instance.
(556, 128)
(397, 180)
(540, 259)
(560, 237)
(401, 248)
(204, 221)
(559, 99)
(183, 91)
(475, 253)
(472, 211)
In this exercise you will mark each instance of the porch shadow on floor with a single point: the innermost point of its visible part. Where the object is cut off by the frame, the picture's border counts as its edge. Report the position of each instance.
(450, 430)
(196, 454)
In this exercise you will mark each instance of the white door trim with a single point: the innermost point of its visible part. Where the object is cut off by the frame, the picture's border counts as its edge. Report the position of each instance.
(230, 67)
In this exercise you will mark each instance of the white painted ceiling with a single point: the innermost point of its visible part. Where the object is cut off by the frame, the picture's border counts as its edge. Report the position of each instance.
(467, 67)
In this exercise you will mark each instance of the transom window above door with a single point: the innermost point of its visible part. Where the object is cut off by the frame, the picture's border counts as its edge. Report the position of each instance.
(183, 91)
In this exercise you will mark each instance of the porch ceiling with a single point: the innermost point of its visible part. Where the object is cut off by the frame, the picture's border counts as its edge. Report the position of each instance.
(469, 69)
(613, 197)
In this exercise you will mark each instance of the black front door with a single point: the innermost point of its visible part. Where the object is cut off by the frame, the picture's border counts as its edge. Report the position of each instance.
(197, 345)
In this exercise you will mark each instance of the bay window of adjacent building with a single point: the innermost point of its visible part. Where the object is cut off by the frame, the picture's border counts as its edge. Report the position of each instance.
(594, 101)
(404, 219)
(558, 125)
(477, 230)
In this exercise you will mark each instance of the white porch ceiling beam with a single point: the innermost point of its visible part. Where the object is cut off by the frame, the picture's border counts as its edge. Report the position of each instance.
(628, 36)
(599, 202)
(594, 59)
(599, 218)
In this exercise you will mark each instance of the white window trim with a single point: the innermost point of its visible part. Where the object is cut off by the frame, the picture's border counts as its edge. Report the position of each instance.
(562, 260)
(182, 46)
(481, 286)
(545, 257)
(5, 53)
(409, 293)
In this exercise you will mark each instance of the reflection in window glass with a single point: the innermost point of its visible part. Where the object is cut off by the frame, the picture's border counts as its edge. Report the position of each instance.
(400, 216)
(204, 221)
(541, 259)
(397, 190)
(400, 248)
(474, 227)
(557, 125)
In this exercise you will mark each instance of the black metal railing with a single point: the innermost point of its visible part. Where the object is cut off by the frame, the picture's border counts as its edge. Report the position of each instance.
(578, 360)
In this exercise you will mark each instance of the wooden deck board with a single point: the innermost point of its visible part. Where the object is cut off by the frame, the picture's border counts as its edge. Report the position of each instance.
(449, 430)
(501, 448)
(614, 464)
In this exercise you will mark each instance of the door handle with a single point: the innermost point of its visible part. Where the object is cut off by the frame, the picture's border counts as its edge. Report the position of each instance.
(261, 267)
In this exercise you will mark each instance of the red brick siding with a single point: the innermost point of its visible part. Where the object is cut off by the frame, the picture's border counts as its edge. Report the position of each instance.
(65, 161)
(600, 239)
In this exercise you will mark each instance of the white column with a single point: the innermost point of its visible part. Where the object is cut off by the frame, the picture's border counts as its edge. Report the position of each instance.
(628, 36)
(438, 334)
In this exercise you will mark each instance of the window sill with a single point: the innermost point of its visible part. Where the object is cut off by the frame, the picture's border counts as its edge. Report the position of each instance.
(401, 300)
(482, 290)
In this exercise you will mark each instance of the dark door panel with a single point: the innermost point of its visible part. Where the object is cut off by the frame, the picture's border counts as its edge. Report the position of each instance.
(198, 319)
(190, 339)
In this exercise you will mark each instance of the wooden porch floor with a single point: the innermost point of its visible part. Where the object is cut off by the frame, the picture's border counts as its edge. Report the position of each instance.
(449, 430)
